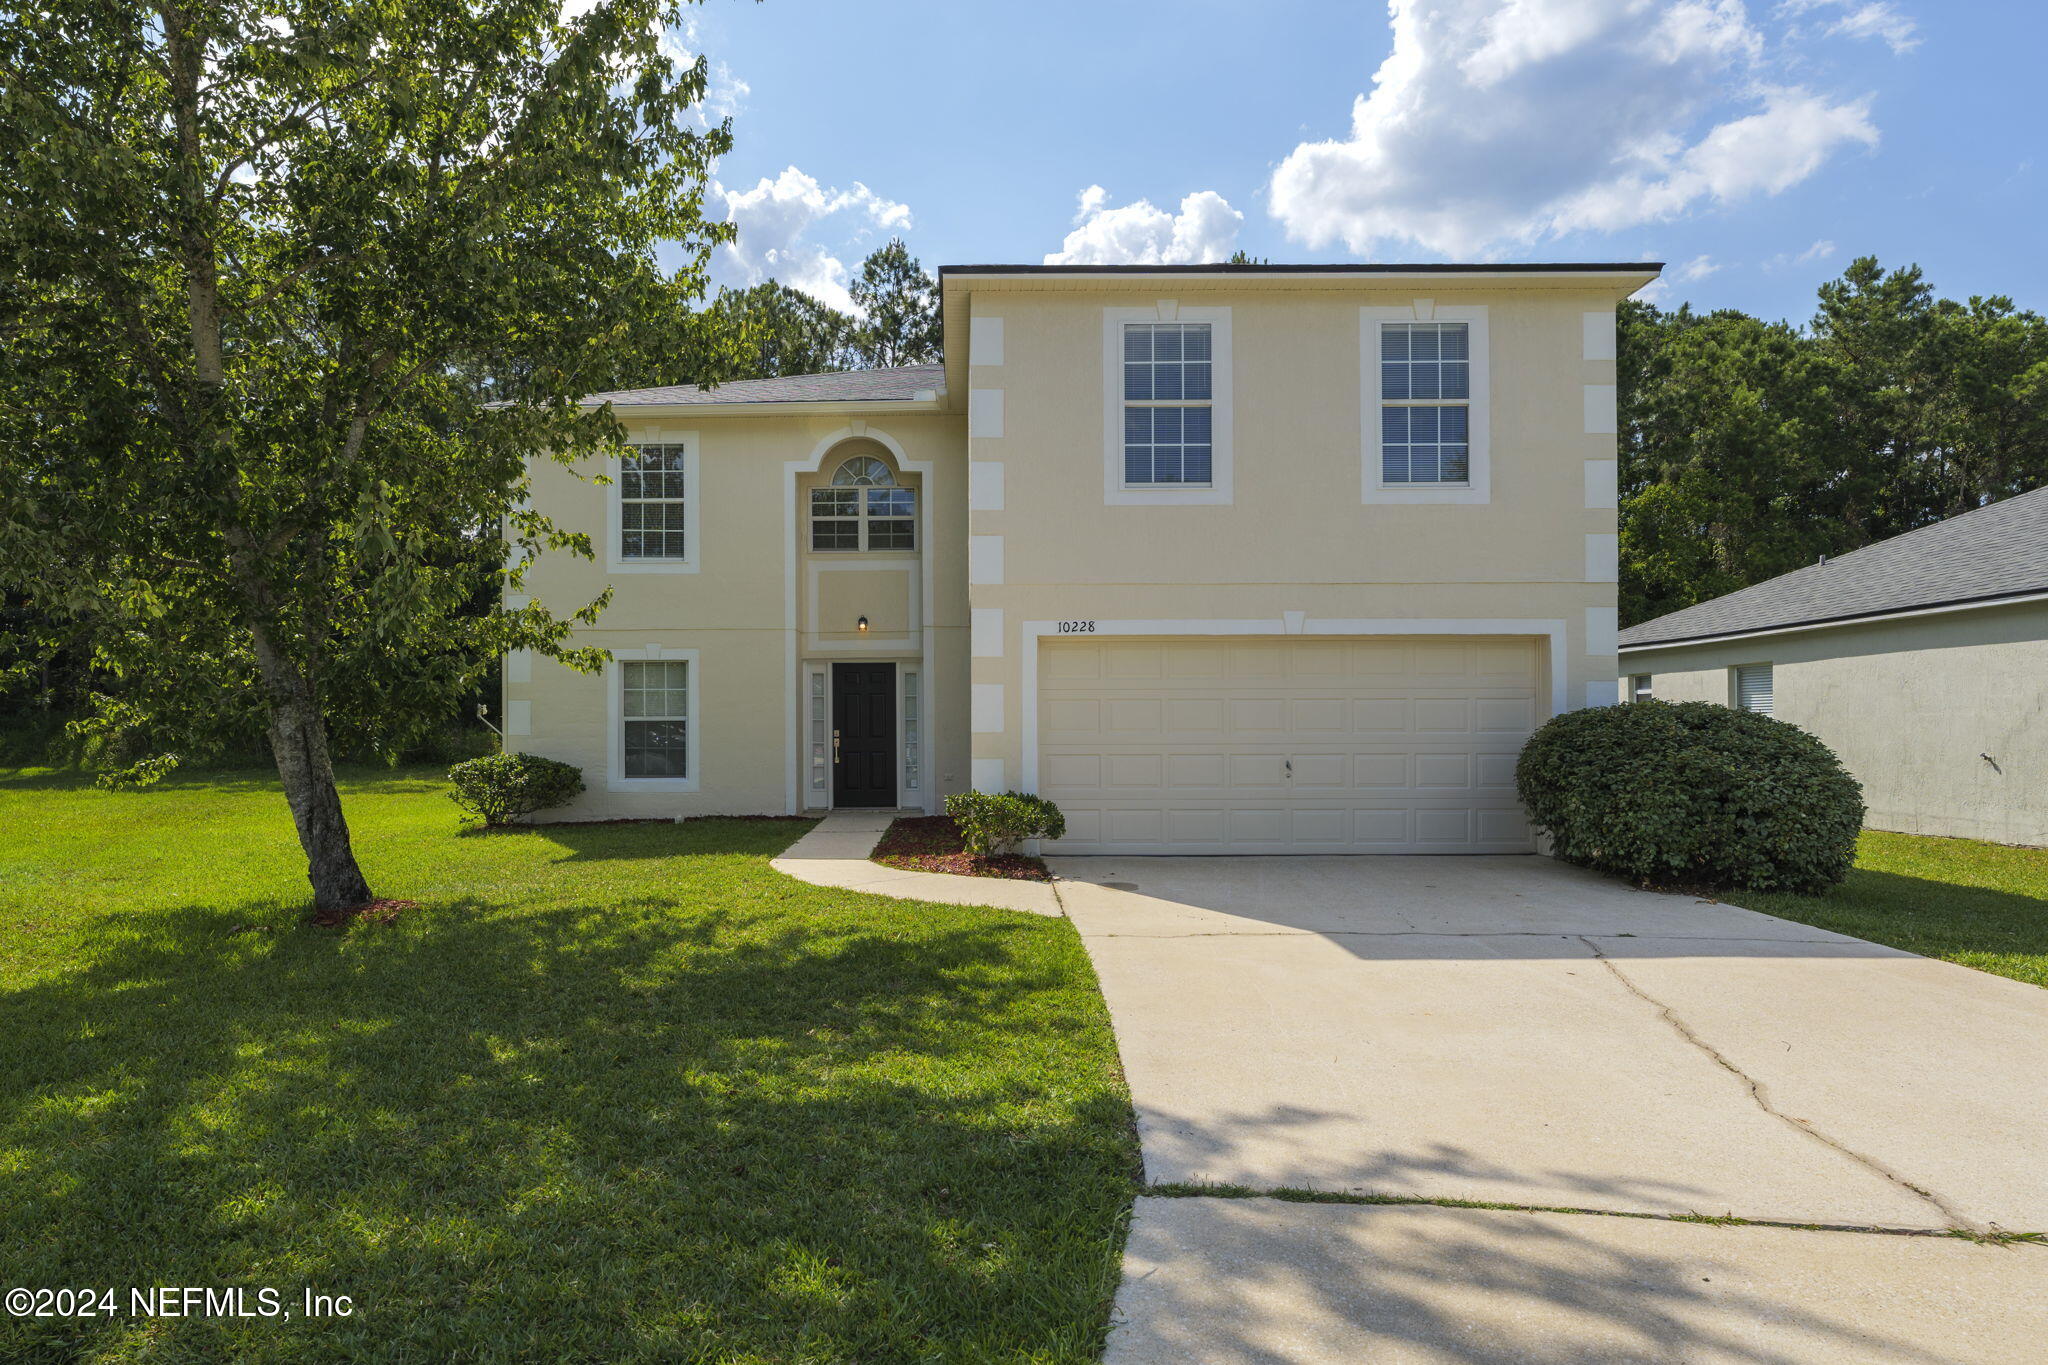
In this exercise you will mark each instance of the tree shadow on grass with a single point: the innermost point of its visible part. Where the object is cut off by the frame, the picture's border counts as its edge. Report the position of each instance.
(602, 840)
(588, 1132)
(1922, 915)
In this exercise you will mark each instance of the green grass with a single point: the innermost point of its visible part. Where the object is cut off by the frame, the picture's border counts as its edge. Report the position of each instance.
(1981, 905)
(612, 1093)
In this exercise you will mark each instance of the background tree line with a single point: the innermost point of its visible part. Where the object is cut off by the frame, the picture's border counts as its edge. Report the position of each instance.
(56, 665)
(1751, 448)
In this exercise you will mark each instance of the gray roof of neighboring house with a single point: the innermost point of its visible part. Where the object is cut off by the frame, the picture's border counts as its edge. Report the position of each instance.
(1993, 552)
(900, 383)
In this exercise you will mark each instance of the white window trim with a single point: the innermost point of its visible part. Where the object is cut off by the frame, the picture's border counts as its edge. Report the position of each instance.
(1478, 485)
(615, 764)
(1219, 491)
(615, 560)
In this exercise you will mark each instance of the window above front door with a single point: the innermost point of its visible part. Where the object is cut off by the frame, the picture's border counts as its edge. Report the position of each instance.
(863, 509)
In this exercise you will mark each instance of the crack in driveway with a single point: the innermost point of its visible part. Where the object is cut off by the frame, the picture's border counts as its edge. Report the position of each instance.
(1762, 1099)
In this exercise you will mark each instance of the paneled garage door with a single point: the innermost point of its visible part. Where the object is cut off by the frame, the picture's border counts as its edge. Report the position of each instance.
(1289, 744)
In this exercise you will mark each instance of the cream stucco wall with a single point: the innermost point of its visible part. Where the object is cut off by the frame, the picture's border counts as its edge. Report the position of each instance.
(747, 608)
(1911, 705)
(1297, 545)
(1020, 527)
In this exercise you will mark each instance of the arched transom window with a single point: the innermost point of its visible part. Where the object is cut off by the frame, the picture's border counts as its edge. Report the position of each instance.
(863, 509)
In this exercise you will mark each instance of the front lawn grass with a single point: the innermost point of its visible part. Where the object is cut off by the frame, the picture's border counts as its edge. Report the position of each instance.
(1981, 905)
(611, 1093)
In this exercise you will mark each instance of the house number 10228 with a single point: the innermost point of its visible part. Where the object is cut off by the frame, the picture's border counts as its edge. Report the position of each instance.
(1077, 627)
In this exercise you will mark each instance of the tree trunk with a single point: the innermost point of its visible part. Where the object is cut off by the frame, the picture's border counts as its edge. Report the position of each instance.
(298, 739)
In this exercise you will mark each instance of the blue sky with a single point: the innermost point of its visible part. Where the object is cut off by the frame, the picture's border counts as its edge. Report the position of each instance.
(1757, 147)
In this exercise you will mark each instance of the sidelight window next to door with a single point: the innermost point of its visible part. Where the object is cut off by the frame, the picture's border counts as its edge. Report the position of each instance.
(864, 734)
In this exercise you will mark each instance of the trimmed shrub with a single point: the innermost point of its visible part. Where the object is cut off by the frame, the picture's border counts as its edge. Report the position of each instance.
(992, 825)
(1692, 794)
(500, 787)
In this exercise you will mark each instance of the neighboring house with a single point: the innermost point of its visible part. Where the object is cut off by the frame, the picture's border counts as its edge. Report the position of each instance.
(1921, 660)
(1223, 559)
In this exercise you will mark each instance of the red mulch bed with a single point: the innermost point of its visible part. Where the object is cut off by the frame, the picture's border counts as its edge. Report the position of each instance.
(376, 912)
(931, 843)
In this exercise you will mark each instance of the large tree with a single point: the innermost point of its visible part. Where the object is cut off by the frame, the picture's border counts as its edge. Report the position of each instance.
(289, 295)
(899, 306)
(785, 331)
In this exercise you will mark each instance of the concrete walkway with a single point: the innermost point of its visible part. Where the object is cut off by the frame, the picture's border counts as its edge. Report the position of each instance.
(836, 854)
(1516, 1031)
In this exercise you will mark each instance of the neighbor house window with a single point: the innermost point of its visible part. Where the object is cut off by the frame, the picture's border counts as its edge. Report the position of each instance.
(1753, 688)
(656, 715)
(1425, 402)
(1169, 404)
(653, 503)
(863, 509)
(1639, 687)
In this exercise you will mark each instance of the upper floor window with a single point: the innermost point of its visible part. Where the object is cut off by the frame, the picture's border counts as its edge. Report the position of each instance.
(863, 509)
(1168, 401)
(653, 504)
(1425, 402)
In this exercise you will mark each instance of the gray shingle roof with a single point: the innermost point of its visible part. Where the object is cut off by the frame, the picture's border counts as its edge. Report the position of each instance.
(1995, 551)
(901, 383)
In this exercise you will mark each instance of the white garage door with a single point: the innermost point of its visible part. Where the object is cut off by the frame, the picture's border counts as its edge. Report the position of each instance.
(1292, 744)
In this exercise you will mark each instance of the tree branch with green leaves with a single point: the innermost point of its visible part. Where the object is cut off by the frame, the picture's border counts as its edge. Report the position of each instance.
(293, 294)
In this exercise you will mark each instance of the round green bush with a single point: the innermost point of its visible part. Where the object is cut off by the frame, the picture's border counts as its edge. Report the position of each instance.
(502, 787)
(1692, 794)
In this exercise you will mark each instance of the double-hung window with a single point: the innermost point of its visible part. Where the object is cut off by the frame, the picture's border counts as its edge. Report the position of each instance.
(653, 504)
(656, 717)
(1425, 403)
(863, 509)
(1169, 405)
(1639, 687)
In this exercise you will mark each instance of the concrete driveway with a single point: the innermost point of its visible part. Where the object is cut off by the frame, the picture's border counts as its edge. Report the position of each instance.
(1516, 1031)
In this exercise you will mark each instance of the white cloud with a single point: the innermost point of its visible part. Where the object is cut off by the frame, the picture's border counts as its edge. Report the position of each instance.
(777, 221)
(724, 93)
(1141, 233)
(1819, 251)
(1496, 123)
(1864, 19)
(1698, 268)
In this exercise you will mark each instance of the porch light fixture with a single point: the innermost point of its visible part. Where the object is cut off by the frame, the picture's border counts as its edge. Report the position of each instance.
(861, 625)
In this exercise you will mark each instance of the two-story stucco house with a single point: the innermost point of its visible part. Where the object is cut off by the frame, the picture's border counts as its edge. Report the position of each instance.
(1223, 559)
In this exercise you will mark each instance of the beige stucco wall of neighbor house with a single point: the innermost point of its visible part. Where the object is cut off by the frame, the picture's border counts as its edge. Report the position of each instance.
(1297, 545)
(1911, 705)
(755, 608)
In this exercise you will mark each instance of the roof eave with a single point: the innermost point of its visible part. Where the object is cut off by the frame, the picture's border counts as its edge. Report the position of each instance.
(1645, 270)
(1856, 619)
(936, 403)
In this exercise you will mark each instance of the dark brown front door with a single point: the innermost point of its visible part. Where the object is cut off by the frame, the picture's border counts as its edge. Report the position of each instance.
(864, 731)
